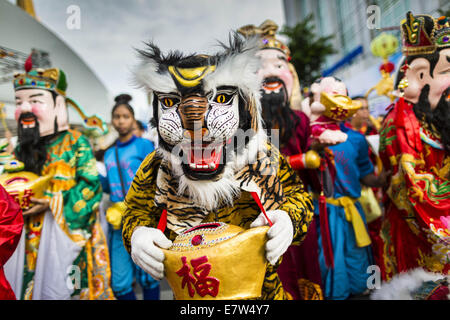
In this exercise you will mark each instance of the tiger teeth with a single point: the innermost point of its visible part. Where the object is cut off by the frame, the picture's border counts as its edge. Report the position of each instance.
(212, 165)
(201, 166)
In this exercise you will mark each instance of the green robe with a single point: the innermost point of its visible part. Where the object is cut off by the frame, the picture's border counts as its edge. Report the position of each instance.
(74, 193)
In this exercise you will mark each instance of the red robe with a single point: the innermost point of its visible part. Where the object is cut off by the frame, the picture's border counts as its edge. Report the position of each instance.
(299, 271)
(11, 224)
(416, 224)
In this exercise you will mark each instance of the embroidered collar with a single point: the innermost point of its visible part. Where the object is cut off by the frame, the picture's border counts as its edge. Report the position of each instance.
(428, 137)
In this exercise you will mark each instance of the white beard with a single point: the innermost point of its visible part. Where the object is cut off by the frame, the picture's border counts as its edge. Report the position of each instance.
(212, 194)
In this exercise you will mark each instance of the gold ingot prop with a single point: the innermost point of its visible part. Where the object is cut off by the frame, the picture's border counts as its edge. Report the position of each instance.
(24, 185)
(217, 261)
(115, 213)
(339, 107)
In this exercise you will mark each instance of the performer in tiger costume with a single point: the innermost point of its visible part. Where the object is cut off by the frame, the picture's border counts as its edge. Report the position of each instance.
(214, 100)
(280, 103)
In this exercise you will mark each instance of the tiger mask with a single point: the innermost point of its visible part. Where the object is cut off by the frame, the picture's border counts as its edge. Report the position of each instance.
(207, 112)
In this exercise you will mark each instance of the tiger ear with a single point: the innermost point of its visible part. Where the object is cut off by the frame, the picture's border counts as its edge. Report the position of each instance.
(147, 75)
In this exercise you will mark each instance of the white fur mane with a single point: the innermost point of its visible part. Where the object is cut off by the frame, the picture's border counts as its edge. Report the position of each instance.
(403, 285)
(210, 194)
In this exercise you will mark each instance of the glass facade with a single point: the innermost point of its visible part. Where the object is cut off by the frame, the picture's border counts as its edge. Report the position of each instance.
(347, 10)
(392, 12)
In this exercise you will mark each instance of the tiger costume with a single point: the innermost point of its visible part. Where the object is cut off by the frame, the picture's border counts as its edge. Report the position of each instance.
(213, 99)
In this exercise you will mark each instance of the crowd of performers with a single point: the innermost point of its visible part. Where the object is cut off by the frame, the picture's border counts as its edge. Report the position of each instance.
(335, 206)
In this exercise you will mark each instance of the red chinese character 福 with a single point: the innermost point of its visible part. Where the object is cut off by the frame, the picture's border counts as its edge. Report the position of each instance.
(202, 283)
(26, 200)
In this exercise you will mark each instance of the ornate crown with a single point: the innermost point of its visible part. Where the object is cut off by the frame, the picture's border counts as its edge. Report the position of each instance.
(47, 79)
(217, 261)
(423, 34)
(54, 80)
(267, 31)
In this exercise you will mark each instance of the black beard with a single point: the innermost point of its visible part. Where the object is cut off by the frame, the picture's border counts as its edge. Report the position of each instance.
(277, 113)
(31, 149)
(438, 119)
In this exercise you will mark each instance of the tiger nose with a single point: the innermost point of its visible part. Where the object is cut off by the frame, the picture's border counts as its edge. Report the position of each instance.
(195, 134)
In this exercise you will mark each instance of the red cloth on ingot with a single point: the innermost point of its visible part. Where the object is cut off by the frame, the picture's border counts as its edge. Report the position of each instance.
(11, 224)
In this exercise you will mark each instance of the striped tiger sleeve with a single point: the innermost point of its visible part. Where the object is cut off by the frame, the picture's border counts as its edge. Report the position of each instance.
(140, 206)
(297, 203)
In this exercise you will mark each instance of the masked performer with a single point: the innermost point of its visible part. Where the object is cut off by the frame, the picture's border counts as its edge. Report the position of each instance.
(280, 100)
(415, 145)
(64, 242)
(213, 100)
(11, 225)
(324, 121)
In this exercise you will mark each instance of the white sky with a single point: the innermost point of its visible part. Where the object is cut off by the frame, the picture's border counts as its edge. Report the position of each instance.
(110, 29)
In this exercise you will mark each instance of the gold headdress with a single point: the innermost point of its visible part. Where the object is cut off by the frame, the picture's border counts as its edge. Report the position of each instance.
(267, 31)
(54, 79)
(423, 34)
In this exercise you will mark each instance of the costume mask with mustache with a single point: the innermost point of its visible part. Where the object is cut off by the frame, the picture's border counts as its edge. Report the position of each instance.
(437, 119)
(31, 147)
(276, 111)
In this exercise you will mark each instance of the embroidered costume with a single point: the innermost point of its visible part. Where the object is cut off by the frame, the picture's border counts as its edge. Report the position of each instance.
(65, 242)
(415, 147)
(11, 225)
(299, 271)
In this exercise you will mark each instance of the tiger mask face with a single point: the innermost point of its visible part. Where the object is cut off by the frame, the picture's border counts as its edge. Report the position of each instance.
(206, 108)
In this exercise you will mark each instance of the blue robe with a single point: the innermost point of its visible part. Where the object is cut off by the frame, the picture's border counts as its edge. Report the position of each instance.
(349, 275)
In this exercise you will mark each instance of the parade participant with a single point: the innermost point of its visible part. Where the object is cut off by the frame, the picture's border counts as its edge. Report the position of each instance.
(322, 112)
(361, 119)
(139, 128)
(65, 254)
(213, 157)
(129, 151)
(280, 97)
(346, 273)
(370, 197)
(344, 242)
(415, 145)
(11, 224)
